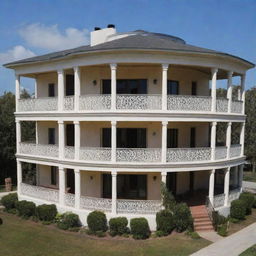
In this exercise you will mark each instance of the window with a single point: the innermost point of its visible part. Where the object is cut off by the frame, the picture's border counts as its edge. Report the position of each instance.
(192, 137)
(53, 175)
(70, 135)
(70, 84)
(51, 136)
(172, 138)
(51, 90)
(194, 88)
(106, 137)
(126, 86)
(172, 87)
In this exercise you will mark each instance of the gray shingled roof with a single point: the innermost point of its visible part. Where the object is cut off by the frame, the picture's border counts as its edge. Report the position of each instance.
(139, 39)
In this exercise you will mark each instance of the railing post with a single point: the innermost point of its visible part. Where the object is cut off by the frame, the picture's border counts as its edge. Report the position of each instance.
(243, 92)
(164, 141)
(18, 136)
(77, 188)
(62, 185)
(113, 141)
(164, 85)
(114, 196)
(77, 88)
(242, 133)
(226, 186)
(229, 91)
(213, 140)
(61, 139)
(61, 86)
(77, 139)
(211, 186)
(19, 177)
(214, 85)
(17, 91)
(228, 139)
(113, 68)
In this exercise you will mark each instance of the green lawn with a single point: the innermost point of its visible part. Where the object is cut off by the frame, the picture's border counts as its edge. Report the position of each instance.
(27, 238)
(249, 252)
(249, 176)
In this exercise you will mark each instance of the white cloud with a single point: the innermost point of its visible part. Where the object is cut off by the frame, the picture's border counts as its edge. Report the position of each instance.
(16, 53)
(51, 38)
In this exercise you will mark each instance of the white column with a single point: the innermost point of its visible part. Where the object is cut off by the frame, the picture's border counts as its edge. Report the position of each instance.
(164, 85)
(77, 188)
(164, 141)
(163, 177)
(229, 90)
(226, 186)
(18, 136)
(77, 139)
(61, 88)
(236, 175)
(113, 86)
(37, 135)
(239, 93)
(228, 139)
(114, 196)
(62, 185)
(36, 87)
(243, 91)
(77, 87)
(242, 133)
(241, 168)
(17, 91)
(113, 141)
(213, 140)
(61, 139)
(211, 186)
(19, 176)
(214, 86)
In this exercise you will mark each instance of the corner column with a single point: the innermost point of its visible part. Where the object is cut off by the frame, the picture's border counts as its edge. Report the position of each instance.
(242, 133)
(243, 92)
(62, 185)
(113, 68)
(213, 140)
(61, 139)
(77, 188)
(164, 141)
(17, 91)
(211, 186)
(113, 141)
(214, 86)
(226, 186)
(114, 194)
(18, 136)
(229, 91)
(61, 87)
(228, 139)
(35, 86)
(164, 85)
(163, 177)
(241, 169)
(77, 139)
(77, 87)
(19, 176)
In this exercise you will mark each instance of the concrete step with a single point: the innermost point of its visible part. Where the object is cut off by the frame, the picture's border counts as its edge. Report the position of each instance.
(202, 224)
(202, 220)
(204, 228)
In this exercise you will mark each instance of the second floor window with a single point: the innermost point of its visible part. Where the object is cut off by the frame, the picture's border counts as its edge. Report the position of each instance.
(192, 137)
(51, 136)
(172, 87)
(172, 138)
(194, 88)
(70, 85)
(51, 90)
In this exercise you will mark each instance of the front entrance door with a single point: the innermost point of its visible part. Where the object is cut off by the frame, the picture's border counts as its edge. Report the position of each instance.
(70, 181)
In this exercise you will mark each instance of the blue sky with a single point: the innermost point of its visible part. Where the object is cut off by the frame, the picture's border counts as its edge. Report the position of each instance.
(34, 27)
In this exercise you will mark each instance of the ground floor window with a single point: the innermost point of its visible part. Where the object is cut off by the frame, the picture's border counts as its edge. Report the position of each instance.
(53, 175)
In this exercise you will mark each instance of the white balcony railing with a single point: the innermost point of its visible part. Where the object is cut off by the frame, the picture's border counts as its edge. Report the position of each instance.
(235, 150)
(220, 153)
(218, 200)
(39, 104)
(69, 152)
(69, 199)
(94, 203)
(221, 105)
(95, 102)
(237, 106)
(69, 103)
(95, 154)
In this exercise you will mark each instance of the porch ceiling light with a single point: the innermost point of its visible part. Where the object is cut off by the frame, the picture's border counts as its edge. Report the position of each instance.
(155, 81)
(94, 82)
(91, 177)
(154, 178)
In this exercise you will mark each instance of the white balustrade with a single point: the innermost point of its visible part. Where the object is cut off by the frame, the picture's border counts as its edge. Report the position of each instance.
(69, 152)
(69, 103)
(48, 194)
(220, 153)
(95, 102)
(138, 206)
(234, 194)
(218, 200)
(95, 154)
(188, 154)
(138, 154)
(39, 149)
(235, 150)
(222, 105)
(237, 106)
(94, 203)
(139, 101)
(69, 199)
(39, 104)
(188, 103)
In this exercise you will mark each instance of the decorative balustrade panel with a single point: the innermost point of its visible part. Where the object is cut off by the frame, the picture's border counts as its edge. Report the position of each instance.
(188, 103)
(221, 105)
(95, 102)
(138, 206)
(218, 200)
(95, 154)
(235, 150)
(220, 153)
(188, 154)
(94, 203)
(69, 199)
(39, 149)
(69, 103)
(51, 195)
(237, 106)
(69, 152)
(138, 154)
(139, 102)
(39, 104)
(233, 195)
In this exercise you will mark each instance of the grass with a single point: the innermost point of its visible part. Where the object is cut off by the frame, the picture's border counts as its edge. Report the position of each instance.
(24, 237)
(249, 176)
(250, 251)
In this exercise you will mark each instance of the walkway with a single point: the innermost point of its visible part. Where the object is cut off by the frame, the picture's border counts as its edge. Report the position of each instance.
(249, 186)
(232, 245)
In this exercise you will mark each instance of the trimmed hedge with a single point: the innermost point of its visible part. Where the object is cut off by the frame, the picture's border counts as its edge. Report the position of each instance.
(238, 209)
(218, 220)
(9, 201)
(97, 221)
(248, 200)
(165, 222)
(139, 228)
(182, 217)
(46, 212)
(118, 226)
(68, 220)
(25, 208)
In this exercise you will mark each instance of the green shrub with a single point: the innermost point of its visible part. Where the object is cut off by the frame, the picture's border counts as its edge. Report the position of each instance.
(97, 221)
(68, 221)
(248, 199)
(193, 235)
(46, 212)
(218, 219)
(1, 221)
(233, 220)
(139, 228)
(118, 226)
(182, 217)
(223, 230)
(164, 221)
(100, 233)
(167, 198)
(160, 233)
(25, 208)
(238, 209)
(9, 201)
